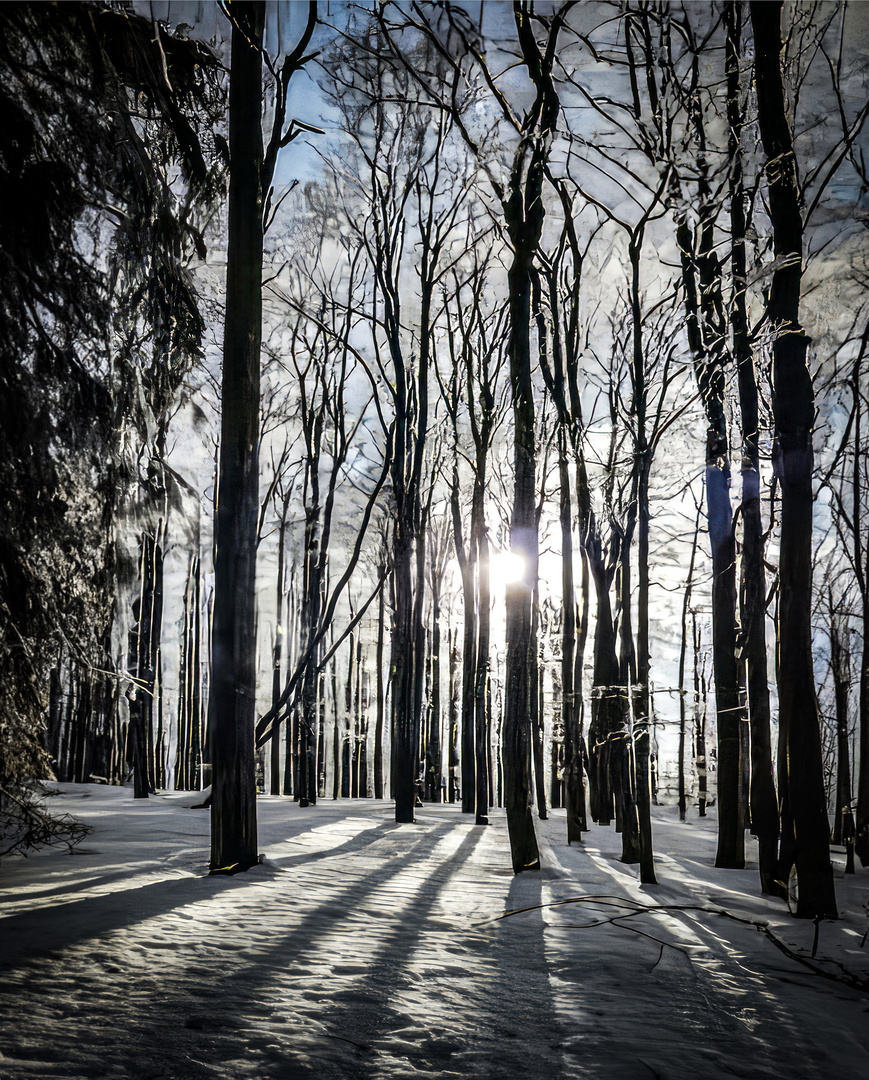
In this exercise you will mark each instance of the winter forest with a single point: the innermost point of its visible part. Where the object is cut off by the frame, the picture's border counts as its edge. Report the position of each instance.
(440, 431)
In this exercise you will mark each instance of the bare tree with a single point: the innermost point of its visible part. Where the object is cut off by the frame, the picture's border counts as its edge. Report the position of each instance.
(805, 831)
(476, 354)
(232, 701)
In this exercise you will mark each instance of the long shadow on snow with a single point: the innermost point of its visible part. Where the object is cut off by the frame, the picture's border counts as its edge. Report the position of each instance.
(230, 991)
(507, 1016)
(524, 1005)
(366, 1013)
(58, 926)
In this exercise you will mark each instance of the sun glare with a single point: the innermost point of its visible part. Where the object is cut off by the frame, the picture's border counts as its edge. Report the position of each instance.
(507, 567)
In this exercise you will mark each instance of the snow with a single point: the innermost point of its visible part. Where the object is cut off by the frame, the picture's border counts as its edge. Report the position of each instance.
(364, 949)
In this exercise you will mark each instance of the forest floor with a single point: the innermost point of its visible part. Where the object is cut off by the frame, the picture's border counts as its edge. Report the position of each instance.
(360, 950)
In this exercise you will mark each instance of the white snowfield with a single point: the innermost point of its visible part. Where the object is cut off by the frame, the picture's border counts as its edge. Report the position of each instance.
(364, 949)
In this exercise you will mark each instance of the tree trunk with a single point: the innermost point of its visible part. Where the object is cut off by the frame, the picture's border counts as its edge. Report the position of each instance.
(731, 826)
(453, 749)
(521, 644)
(233, 688)
(536, 694)
(808, 844)
(840, 665)
(642, 722)
(405, 740)
(762, 796)
(607, 717)
(699, 720)
(466, 560)
(480, 547)
(578, 699)
(277, 656)
(556, 757)
(380, 703)
(573, 787)
(861, 841)
(861, 565)
(705, 328)
(683, 649)
(434, 726)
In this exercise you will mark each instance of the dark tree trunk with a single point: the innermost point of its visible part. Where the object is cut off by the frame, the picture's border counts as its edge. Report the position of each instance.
(731, 826)
(563, 384)
(521, 645)
(536, 694)
(699, 720)
(623, 765)
(807, 844)
(573, 786)
(143, 659)
(523, 214)
(434, 726)
(380, 702)
(453, 748)
(861, 568)
(607, 714)
(182, 753)
(556, 757)
(469, 660)
(480, 563)
(405, 745)
(347, 727)
(861, 841)
(840, 665)
(578, 699)
(233, 688)
(642, 740)
(762, 796)
(194, 767)
(482, 697)
(356, 729)
(277, 653)
(705, 326)
(683, 649)
(419, 658)
(466, 562)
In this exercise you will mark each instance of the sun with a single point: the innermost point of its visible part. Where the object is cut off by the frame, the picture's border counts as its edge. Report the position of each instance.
(507, 567)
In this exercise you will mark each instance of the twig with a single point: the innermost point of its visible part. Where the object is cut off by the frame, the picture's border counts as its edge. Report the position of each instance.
(846, 977)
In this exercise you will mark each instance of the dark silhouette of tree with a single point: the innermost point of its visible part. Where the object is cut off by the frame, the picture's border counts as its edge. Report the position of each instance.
(472, 391)
(232, 698)
(98, 324)
(232, 701)
(752, 599)
(521, 209)
(805, 831)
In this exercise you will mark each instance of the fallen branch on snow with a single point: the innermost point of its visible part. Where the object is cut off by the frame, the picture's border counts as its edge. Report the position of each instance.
(845, 976)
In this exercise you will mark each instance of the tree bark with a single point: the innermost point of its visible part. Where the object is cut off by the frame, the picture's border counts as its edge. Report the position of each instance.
(573, 786)
(434, 727)
(683, 649)
(480, 546)
(762, 796)
(840, 666)
(607, 718)
(705, 327)
(523, 215)
(466, 562)
(277, 653)
(806, 831)
(699, 720)
(233, 689)
(380, 691)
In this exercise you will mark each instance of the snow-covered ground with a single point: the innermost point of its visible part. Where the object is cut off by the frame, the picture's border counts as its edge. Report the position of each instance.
(363, 949)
